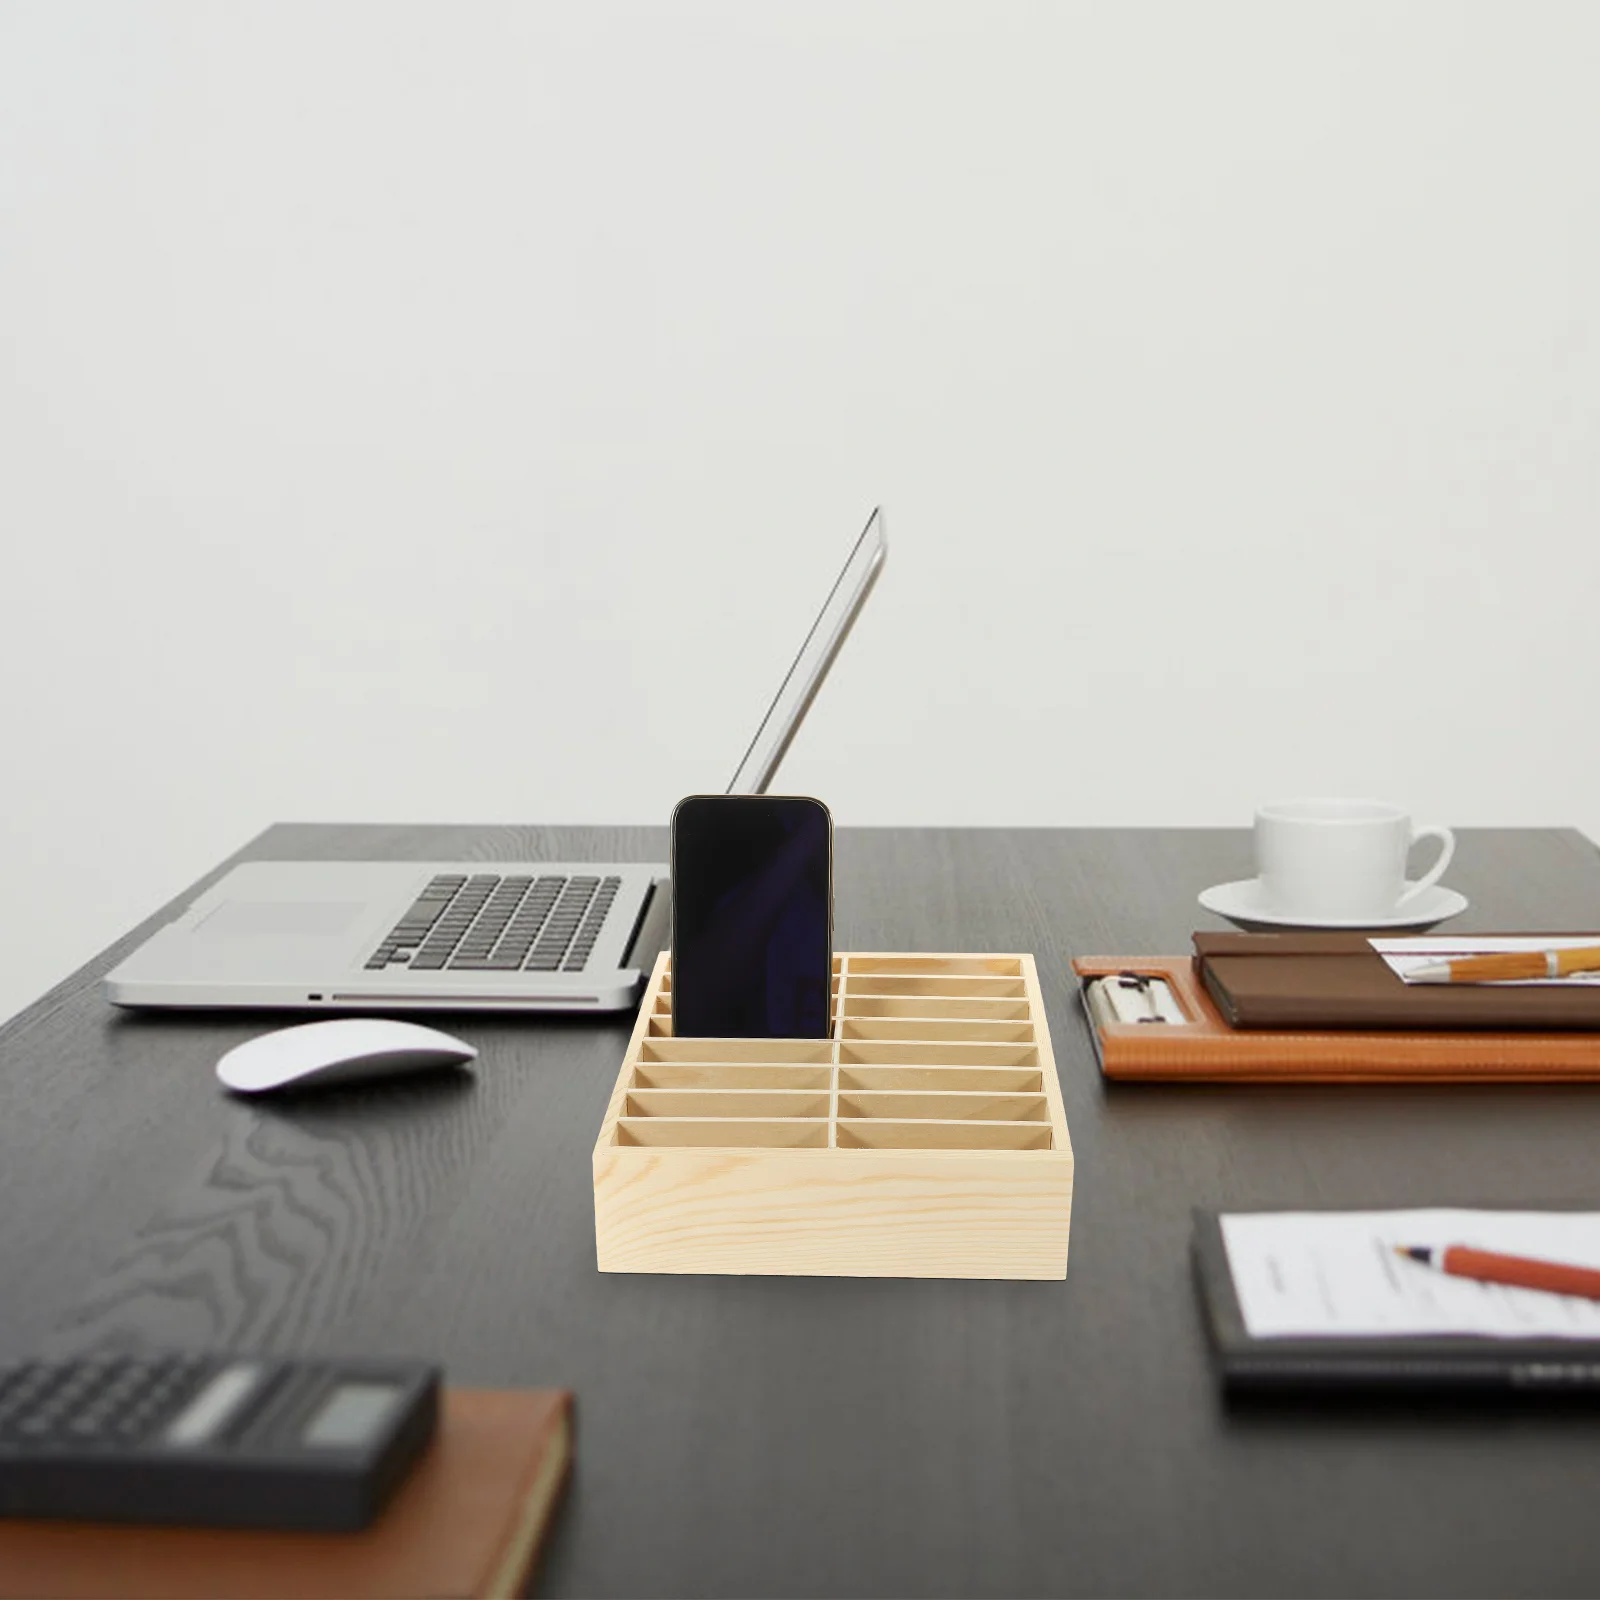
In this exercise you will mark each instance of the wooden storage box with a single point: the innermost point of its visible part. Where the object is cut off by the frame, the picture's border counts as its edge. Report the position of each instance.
(924, 1139)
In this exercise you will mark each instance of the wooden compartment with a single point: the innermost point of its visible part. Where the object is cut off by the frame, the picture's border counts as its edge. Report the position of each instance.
(948, 967)
(768, 1052)
(933, 1008)
(925, 1138)
(899, 1105)
(877, 1135)
(936, 1028)
(725, 1103)
(926, 1052)
(732, 1075)
(723, 1133)
(1000, 1080)
(930, 983)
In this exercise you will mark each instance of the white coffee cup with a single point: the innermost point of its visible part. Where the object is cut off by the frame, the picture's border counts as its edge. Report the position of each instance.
(1341, 860)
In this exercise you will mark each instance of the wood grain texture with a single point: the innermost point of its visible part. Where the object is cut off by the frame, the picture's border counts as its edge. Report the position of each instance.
(773, 1435)
(282, 1234)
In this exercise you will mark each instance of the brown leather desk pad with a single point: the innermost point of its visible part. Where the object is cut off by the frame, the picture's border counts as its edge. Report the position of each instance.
(1205, 1049)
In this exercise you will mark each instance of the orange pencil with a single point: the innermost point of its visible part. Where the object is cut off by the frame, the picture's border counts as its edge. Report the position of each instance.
(1520, 1272)
(1508, 966)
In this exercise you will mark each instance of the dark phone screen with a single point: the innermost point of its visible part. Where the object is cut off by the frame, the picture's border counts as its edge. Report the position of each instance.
(752, 937)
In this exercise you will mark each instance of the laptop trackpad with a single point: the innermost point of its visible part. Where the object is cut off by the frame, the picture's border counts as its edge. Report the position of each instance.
(283, 916)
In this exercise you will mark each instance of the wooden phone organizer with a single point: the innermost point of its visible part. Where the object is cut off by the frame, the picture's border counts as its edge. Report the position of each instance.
(925, 1138)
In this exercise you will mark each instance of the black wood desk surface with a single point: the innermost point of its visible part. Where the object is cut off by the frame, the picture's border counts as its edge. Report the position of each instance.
(816, 1436)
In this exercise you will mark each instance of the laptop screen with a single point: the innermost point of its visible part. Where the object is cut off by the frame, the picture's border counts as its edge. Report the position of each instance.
(799, 687)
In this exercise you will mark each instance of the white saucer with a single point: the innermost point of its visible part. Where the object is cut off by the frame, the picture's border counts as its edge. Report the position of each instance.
(1243, 902)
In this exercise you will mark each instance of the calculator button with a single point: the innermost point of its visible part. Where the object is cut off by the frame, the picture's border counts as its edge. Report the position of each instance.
(210, 1410)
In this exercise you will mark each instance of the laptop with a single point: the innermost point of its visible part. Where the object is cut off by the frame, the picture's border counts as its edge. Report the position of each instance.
(385, 936)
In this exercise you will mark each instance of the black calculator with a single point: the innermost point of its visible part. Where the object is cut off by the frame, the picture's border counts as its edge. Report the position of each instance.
(212, 1441)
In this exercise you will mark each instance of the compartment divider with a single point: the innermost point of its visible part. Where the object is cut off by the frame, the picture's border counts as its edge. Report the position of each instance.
(856, 1078)
(727, 1133)
(944, 1007)
(714, 1075)
(951, 1105)
(842, 967)
(921, 1053)
(894, 985)
(878, 1133)
(744, 1052)
(706, 1104)
(975, 1030)
(936, 966)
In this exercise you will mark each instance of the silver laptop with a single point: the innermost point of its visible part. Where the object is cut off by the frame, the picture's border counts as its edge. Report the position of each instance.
(448, 935)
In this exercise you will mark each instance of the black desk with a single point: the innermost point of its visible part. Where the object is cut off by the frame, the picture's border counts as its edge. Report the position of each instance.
(817, 1436)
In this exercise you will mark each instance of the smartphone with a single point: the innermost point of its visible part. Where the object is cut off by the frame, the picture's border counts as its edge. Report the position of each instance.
(752, 917)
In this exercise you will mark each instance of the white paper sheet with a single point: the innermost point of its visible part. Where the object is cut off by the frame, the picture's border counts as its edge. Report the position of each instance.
(1335, 1274)
(1404, 956)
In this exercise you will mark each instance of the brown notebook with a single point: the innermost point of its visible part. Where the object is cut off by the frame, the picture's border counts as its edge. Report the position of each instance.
(1203, 1048)
(467, 1522)
(1337, 980)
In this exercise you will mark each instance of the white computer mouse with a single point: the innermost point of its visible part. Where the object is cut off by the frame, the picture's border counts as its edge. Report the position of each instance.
(340, 1051)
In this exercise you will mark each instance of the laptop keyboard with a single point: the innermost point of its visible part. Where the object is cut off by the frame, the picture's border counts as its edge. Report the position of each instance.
(488, 923)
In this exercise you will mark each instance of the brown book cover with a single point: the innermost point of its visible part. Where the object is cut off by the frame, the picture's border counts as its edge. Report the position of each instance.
(1337, 980)
(1203, 1048)
(467, 1522)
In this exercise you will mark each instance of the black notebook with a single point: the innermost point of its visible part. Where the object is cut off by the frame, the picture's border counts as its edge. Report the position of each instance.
(1319, 1299)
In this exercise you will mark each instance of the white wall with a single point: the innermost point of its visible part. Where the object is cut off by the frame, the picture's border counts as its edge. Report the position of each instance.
(455, 412)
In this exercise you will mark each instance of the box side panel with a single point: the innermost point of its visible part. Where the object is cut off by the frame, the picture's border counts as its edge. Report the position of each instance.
(630, 1058)
(1047, 1056)
(841, 1213)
